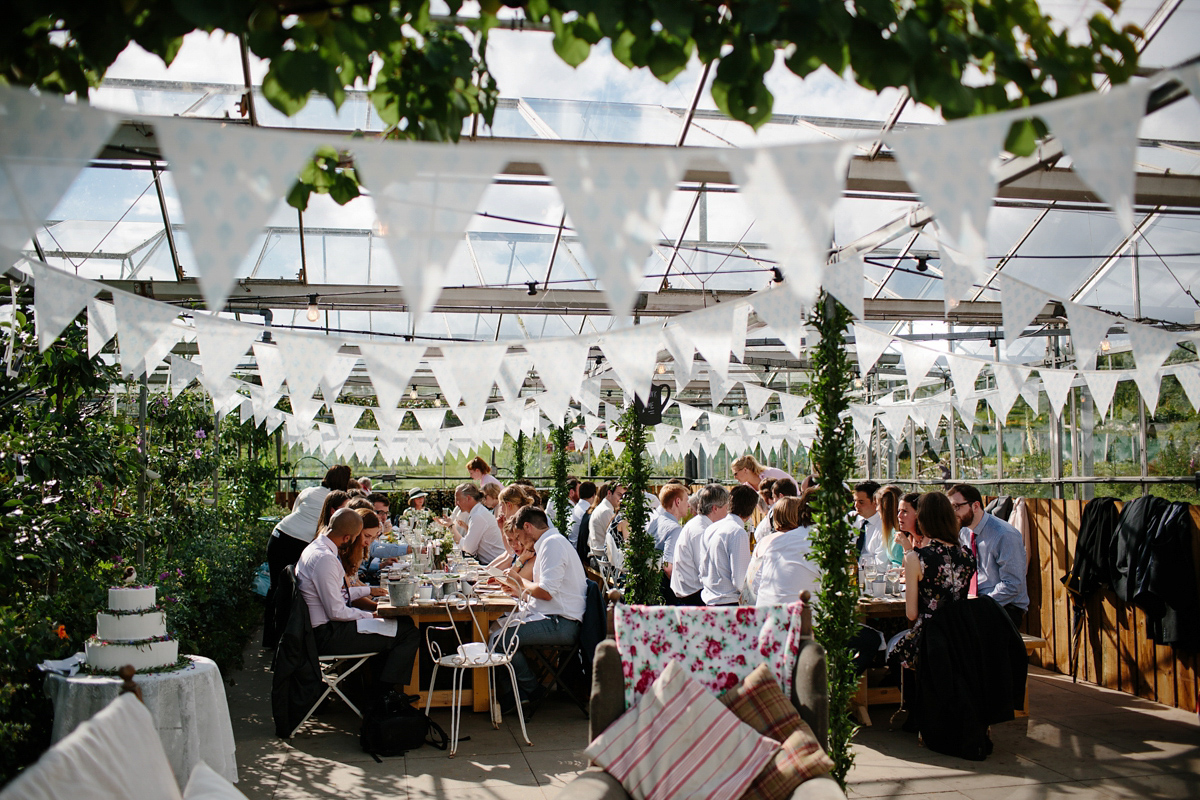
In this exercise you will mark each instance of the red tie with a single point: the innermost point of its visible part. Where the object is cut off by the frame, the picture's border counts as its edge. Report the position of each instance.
(974, 575)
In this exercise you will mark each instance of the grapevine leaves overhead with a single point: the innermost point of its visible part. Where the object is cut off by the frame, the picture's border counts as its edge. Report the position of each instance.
(428, 76)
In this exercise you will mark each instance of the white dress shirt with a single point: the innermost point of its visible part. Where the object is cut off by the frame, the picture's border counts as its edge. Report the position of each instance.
(874, 537)
(724, 559)
(557, 569)
(786, 570)
(322, 582)
(685, 575)
(483, 537)
(598, 525)
(576, 518)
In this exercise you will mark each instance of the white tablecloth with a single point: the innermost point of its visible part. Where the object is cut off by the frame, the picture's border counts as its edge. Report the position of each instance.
(188, 706)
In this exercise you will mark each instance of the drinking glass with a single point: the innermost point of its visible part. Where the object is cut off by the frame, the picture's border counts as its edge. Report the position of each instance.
(893, 581)
(868, 572)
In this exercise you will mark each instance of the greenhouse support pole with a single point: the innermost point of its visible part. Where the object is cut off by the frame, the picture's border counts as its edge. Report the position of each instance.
(216, 454)
(1074, 429)
(912, 448)
(142, 450)
(951, 442)
(1056, 437)
(1143, 461)
(999, 446)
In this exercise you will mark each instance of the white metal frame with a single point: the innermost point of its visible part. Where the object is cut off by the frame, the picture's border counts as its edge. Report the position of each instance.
(332, 676)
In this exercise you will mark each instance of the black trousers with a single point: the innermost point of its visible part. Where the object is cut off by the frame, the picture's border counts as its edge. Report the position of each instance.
(1017, 615)
(668, 596)
(692, 599)
(396, 653)
(282, 551)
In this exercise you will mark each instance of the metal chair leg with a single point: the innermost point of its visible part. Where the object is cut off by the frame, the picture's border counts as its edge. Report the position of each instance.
(517, 694)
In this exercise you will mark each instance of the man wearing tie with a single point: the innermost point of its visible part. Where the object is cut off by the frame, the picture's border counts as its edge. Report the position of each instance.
(999, 551)
(868, 524)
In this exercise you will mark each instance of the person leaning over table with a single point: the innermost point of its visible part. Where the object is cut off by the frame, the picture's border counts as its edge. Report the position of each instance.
(482, 538)
(293, 533)
(481, 472)
(785, 568)
(354, 552)
(556, 598)
(711, 504)
(999, 551)
(517, 554)
(747, 470)
(765, 531)
(725, 550)
(321, 578)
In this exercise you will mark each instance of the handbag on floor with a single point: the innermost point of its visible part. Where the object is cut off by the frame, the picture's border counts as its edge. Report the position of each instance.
(394, 726)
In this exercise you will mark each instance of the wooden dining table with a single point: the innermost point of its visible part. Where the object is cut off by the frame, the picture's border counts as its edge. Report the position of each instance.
(881, 607)
(487, 609)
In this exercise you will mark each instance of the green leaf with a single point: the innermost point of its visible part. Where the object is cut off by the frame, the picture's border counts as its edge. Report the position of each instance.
(668, 58)
(674, 16)
(1022, 138)
(569, 47)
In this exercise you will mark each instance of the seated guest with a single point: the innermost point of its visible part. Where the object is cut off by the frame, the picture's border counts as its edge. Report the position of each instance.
(608, 500)
(353, 552)
(491, 498)
(906, 518)
(416, 498)
(936, 574)
(556, 597)
(786, 570)
(866, 521)
(482, 538)
(321, 578)
(999, 551)
(747, 470)
(763, 533)
(783, 487)
(725, 550)
(711, 504)
(886, 549)
(511, 500)
(517, 554)
(382, 508)
(665, 528)
(480, 472)
(765, 493)
(586, 491)
(334, 501)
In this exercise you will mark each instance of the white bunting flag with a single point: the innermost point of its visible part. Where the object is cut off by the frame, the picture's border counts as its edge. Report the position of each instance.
(391, 367)
(1150, 345)
(1188, 376)
(1102, 384)
(560, 365)
(633, 354)
(102, 325)
(688, 415)
(469, 370)
(1058, 384)
(304, 359)
(222, 344)
(590, 423)
(717, 423)
(305, 409)
(270, 366)
(579, 437)
(554, 405)
(229, 179)
(425, 196)
(756, 397)
(711, 332)
(954, 168)
(346, 417)
(429, 419)
(683, 354)
(589, 394)
(337, 372)
(1100, 134)
(718, 387)
(616, 447)
(1009, 380)
(895, 419)
(145, 330)
(1148, 383)
(918, 360)
(1020, 303)
(1089, 327)
(784, 312)
(844, 280)
(963, 373)
(958, 278)
(183, 372)
(792, 191)
(514, 369)
(598, 445)
(44, 144)
(58, 297)
(1031, 393)
(616, 199)
(869, 344)
(791, 405)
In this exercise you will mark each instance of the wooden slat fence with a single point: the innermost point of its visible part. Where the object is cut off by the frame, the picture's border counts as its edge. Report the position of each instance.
(1115, 652)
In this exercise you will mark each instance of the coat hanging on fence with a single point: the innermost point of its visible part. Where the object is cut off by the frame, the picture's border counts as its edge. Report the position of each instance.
(1165, 586)
(1091, 568)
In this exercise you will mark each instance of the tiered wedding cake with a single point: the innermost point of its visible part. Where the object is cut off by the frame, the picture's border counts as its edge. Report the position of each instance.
(134, 631)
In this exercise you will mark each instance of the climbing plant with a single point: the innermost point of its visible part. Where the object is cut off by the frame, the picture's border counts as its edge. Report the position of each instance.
(836, 615)
(642, 569)
(520, 456)
(559, 437)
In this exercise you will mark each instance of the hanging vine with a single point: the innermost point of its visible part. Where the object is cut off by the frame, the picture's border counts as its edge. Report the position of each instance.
(835, 620)
(559, 436)
(642, 569)
(520, 445)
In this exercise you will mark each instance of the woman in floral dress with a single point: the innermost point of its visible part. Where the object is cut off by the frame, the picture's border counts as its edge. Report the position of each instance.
(936, 574)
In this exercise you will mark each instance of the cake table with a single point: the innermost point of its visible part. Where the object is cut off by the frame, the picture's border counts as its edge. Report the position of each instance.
(188, 706)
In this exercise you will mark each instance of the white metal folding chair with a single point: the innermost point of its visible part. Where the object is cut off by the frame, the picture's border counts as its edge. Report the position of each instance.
(333, 674)
(473, 655)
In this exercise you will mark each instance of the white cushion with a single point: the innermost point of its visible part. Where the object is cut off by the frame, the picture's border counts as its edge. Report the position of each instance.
(207, 784)
(679, 741)
(115, 755)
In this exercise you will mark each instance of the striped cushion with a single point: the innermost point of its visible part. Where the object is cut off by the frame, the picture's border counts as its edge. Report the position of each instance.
(800, 759)
(759, 702)
(680, 742)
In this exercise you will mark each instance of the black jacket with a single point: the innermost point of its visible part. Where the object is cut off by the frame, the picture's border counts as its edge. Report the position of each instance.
(1164, 583)
(971, 674)
(1129, 555)
(296, 683)
(1091, 569)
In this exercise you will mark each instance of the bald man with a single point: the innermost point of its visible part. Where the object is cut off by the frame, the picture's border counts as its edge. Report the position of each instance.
(322, 582)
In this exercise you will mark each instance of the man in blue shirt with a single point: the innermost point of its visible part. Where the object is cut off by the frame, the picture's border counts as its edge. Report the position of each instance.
(999, 551)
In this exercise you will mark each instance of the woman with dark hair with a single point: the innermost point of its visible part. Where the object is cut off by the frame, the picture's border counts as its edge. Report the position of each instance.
(294, 532)
(936, 574)
(906, 521)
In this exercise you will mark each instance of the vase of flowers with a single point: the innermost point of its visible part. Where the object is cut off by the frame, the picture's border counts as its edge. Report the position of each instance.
(443, 550)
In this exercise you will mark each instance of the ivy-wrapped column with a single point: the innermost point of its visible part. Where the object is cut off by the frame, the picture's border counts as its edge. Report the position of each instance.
(835, 619)
(519, 456)
(559, 436)
(642, 569)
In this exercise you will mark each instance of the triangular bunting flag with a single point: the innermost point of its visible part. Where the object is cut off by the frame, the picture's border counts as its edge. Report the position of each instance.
(560, 364)
(756, 397)
(717, 423)
(1150, 345)
(222, 344)
(144, 326)
(58, 297)
(1188, 376)
(270, 366)
(711, 332)
(336, 373)
(391, 366)
(958, 279)
(1009, 380)
(718, 387)
(1089, 327)
(844, 280)
(430, 419)
(1020, 303)
(1148, 383)
(1058, 386)
(305, 408)
(1102, 384)
(633, 354)
(963, 373)
(791, 406)
(514, 369)
(229, 178)
(183, 372)
(683, 354)
(346, 417)
(688, 415)
(304, 359)
(471, 370)
(869, 344)
(784, 312)
(918, 360)
(589, 394)
(102, 325)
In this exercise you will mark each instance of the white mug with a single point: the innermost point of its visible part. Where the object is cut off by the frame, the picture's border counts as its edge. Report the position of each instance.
(425, 593)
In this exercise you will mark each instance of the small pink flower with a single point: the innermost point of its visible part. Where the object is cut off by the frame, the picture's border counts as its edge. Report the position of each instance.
(196, 453)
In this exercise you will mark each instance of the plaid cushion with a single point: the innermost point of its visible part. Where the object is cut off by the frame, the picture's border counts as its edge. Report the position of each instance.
(759, 702)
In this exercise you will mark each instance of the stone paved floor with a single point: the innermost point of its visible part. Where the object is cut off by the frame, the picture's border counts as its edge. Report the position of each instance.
(1081, 742)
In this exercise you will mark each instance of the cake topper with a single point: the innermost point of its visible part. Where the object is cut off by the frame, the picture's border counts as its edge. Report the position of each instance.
(130, 576)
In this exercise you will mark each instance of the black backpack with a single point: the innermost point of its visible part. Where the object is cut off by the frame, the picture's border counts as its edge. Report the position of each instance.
(395, 726)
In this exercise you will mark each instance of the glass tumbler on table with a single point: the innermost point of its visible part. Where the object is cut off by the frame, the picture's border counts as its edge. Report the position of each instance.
(893, 582)
(868, 571)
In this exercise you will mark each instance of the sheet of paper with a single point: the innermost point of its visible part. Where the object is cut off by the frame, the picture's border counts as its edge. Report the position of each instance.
(384, 627)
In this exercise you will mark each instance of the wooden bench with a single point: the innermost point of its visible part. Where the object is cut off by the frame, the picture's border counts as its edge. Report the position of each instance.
(868, 695)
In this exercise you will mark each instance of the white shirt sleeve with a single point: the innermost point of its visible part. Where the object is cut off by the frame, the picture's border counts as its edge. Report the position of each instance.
(328, 578)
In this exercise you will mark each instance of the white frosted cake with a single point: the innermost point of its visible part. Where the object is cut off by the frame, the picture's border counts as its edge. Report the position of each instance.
(133, 631)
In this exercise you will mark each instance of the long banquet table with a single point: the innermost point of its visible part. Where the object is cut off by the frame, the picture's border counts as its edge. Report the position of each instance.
(487, 609)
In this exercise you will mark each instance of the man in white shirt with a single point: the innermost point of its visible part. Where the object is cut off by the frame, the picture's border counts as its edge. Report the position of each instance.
(586, 491)
(602, 516)
(725, 551)
(322, 582)
(712, 504)
(483, 538)
(868, 524)
(556, 597)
